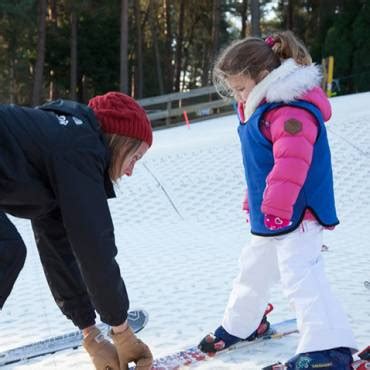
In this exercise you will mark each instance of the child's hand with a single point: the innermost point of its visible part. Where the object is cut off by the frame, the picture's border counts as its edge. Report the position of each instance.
(247, 218)
(245, 207)
(275, 223)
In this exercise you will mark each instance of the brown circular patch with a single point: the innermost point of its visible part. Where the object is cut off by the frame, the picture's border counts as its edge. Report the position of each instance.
(292, 126)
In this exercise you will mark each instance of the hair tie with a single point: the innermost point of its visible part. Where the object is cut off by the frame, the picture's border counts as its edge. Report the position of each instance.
(270, 41)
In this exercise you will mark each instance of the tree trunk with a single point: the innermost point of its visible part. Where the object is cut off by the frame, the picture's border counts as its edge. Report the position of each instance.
(123, 86)
(53, 10)
(139, 54)
(39, 66)
(216, 17)
(179, 46)
(52, 20)
(168, 54)
(244, 18)
(73, 76)
(12, 86)
(255, 18)
(191, 79)
(154, 27)
(205, 65)
(51, 85)
(290, 15)
(215, 37)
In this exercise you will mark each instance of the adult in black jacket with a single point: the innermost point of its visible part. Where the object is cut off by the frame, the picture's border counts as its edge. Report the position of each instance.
(57, 164)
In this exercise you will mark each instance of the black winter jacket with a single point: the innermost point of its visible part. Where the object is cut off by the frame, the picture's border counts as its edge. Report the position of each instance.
(53, 170)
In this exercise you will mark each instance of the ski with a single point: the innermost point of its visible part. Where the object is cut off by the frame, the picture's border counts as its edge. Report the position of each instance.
(192, 355)
(137, 319)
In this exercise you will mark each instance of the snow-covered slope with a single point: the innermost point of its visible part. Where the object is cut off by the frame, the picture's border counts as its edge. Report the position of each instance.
(179, 231)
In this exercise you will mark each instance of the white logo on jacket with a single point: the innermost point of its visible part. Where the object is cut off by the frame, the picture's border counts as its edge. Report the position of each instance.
(63, 120)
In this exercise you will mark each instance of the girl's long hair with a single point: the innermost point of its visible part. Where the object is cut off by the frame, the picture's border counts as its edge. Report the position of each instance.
(252, 55)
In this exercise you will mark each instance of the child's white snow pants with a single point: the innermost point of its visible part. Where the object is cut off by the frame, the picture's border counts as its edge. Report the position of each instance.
(296, 260)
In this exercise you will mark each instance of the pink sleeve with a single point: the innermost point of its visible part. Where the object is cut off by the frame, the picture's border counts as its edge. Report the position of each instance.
(292, 156)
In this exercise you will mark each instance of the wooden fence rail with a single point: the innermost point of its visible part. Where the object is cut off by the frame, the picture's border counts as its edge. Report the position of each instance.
(169, 109)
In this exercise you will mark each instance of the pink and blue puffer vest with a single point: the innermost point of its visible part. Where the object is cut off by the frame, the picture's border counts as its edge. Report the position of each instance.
(317, 193)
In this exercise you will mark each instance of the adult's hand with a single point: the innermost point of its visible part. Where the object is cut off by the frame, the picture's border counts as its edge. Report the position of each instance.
(132, 349)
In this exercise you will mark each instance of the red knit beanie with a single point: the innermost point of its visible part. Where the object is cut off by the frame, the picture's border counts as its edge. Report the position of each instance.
(122, 115)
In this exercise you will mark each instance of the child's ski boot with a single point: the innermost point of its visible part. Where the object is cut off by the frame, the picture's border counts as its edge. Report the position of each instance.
(221, 339)
(336, 358)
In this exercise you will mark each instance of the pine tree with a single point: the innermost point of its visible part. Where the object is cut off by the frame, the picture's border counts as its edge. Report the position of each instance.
(361, 55)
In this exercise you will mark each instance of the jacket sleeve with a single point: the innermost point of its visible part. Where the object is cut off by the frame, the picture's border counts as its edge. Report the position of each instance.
(78, 180)
(292, 150)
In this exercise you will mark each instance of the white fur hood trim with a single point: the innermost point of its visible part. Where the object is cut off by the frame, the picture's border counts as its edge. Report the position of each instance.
(285, 83)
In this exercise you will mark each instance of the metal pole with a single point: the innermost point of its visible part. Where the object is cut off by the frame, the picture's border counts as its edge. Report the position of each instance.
(330, 76)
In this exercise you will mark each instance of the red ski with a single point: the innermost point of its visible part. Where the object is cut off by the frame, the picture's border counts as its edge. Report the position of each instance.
(193, 355)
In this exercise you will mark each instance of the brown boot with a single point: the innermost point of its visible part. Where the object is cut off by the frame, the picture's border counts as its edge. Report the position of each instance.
(102, 352)
(132, 349)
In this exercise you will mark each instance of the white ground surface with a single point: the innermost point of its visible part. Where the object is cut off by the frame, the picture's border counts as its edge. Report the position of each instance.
(180, 229)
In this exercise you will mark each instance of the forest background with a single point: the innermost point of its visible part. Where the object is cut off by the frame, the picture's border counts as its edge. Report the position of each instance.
(75, 49)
